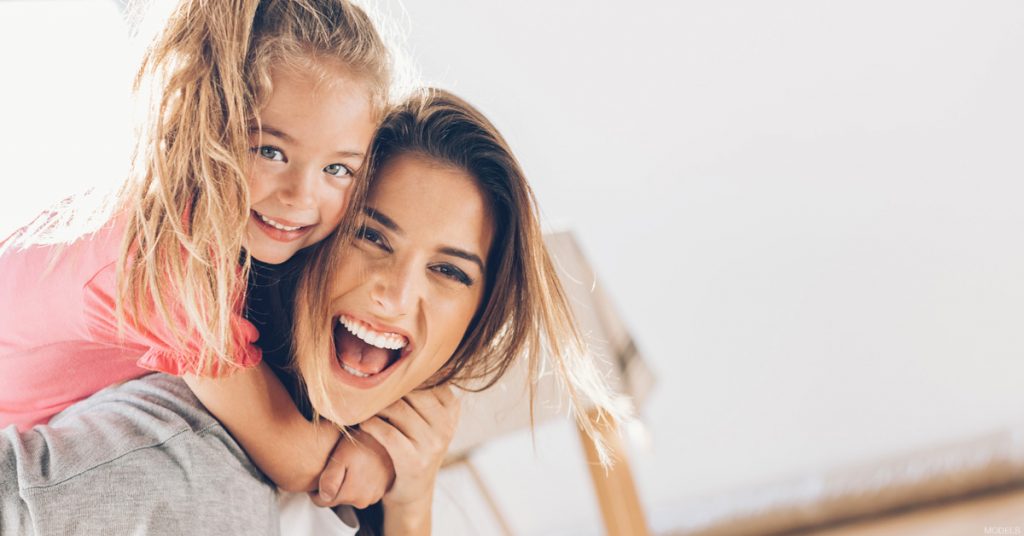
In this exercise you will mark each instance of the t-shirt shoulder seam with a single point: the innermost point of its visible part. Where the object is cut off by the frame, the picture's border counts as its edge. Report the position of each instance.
(85, 471)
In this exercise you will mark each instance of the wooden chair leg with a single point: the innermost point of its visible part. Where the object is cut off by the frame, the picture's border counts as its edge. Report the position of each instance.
(615, 488)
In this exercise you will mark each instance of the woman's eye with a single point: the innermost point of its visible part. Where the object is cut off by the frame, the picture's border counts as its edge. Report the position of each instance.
(269, 152)
(373, 236)
(338, 170)
(453, 273)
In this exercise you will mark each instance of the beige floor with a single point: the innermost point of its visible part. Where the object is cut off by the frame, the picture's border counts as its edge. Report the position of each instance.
(1000, 514)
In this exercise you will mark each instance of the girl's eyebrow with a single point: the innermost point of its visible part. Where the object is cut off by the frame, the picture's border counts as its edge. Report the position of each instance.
(267, 129)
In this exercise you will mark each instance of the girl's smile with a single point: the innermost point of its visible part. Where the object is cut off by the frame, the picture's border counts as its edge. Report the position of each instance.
(280, 229)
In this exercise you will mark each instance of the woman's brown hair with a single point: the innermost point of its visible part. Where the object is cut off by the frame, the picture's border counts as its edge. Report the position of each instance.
(524, 312)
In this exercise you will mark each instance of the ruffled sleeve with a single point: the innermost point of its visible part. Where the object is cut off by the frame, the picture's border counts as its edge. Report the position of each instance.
(155, 341)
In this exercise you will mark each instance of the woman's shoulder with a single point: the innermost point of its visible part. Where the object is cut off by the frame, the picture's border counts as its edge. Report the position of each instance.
(148, 428)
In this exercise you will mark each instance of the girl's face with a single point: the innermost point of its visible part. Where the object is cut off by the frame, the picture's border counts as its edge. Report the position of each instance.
(407, 288)
(312, 137)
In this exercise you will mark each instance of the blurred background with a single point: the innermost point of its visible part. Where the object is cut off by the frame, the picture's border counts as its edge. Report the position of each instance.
(808, 214)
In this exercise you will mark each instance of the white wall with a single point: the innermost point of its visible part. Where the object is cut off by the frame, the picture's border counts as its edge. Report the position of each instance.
(65, 79)
(807, 211)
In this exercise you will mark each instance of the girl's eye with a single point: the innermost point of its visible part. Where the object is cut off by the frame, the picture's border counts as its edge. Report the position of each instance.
(338, 170)
(374, 237)
(452, 272)
(269, 152)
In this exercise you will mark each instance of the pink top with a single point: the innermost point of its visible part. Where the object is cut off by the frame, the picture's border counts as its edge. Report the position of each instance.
(59, 340)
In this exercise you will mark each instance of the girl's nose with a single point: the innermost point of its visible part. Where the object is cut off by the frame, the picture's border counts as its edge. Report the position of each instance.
(298, 189)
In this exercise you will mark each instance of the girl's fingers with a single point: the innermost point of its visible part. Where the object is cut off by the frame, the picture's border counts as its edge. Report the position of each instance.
(427, 405)
(399, 447)
(438, 406)
(415, 431)
(401, 415)
(319, 500)
(439, 419)
(446, 395)
(331, 480)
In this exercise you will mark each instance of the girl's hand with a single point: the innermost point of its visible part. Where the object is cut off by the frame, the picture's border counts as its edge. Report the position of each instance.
(415, 431)
(358, 473)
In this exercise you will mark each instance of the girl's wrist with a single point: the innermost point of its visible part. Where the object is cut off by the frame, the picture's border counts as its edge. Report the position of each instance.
(408, 517)
(409, 499)
(422, 503)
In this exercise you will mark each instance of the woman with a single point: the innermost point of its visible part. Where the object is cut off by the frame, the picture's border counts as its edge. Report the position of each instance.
(445, 281)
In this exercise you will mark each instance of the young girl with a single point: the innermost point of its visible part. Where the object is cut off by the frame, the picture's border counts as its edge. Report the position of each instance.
(261, 121)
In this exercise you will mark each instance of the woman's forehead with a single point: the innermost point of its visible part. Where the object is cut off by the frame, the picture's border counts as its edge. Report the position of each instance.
(420, 197)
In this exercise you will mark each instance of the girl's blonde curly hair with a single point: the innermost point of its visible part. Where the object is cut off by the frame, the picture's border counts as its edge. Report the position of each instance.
(187, 202)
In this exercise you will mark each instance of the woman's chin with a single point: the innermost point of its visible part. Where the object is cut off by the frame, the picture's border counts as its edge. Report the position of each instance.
(341, 421)
(338, 415)
(344, 417)
(333, 412)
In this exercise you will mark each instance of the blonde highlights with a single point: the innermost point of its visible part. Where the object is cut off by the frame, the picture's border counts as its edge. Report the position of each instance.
(524, 313)
(187, 203)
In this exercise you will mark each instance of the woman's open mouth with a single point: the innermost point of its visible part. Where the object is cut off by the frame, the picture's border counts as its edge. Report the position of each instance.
(366, 355)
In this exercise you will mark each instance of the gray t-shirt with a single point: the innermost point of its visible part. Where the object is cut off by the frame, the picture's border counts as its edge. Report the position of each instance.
(143, 457)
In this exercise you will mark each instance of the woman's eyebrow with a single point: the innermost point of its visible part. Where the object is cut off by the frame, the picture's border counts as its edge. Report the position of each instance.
(446, 250)
(463, 254)
(383, 220)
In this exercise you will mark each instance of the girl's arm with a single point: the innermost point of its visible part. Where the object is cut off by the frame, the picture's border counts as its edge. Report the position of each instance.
(251, 402)
(416, 432)
(354, 473)
(257, 410)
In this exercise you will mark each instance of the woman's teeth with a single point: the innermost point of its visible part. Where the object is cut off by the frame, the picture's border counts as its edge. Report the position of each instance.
(387, 341)
(276, 225)
(355, 372)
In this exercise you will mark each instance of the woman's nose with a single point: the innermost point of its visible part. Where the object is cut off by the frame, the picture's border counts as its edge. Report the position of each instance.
(396, 289)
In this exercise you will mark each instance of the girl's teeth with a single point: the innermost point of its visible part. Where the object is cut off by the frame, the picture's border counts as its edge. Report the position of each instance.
(387, 341)
(276, 225)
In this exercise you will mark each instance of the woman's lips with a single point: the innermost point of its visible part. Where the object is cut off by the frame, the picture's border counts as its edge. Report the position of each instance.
(380, 328)
(360, 379)
(280, 235)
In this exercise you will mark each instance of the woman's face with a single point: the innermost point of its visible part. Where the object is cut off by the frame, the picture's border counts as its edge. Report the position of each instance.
(407, 288)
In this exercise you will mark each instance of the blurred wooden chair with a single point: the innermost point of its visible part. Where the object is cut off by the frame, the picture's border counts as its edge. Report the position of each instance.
(505, 407)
